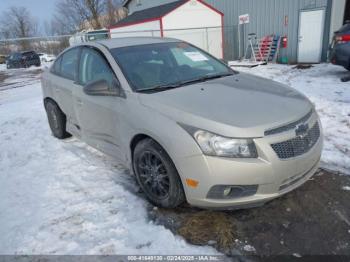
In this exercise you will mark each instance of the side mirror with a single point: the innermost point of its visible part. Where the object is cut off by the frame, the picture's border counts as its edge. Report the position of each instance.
(103, 88)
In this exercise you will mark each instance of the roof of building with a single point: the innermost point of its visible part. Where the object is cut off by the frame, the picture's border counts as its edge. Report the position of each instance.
(133, 41)
(150, 13)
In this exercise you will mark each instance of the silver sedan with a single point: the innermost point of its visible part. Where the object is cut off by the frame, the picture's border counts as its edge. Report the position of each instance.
(188, 126)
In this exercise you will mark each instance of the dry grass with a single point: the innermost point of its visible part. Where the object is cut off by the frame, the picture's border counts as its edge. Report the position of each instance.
(201, 227)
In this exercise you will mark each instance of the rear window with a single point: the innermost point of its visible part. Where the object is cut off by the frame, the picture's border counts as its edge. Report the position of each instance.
(28, 53)
(56, 67)
(15, 56)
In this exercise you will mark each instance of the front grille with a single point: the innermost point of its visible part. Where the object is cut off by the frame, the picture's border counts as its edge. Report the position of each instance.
(289, 126)
(298, 145)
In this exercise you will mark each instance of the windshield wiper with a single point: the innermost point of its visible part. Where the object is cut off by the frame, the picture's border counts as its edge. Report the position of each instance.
(182, 83)
(205, 78)
(159, 88)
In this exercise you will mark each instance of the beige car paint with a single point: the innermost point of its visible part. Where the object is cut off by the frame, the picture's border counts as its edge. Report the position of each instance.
(239, 106)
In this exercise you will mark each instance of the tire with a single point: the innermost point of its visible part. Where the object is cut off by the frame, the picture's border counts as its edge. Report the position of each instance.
(173, 194)
(57, 120)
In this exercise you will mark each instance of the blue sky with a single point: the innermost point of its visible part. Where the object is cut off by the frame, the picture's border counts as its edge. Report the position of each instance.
(41, 9)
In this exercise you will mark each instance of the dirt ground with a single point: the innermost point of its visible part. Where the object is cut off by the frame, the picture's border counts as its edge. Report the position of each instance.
(312, 220)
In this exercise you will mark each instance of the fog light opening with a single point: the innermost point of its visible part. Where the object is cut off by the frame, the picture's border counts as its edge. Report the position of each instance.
(231, 191)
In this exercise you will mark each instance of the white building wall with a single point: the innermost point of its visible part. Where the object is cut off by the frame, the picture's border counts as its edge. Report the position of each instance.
(194, 14)
(143, 29)
(337, 16)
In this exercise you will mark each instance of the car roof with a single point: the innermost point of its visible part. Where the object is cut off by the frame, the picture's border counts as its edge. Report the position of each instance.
(134, 41)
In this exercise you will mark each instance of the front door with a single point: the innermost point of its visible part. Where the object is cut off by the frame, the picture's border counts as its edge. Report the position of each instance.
(98, 116)
(311, 24)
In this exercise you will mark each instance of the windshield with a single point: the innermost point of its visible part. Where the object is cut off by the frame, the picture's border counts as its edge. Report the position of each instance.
(167, 65)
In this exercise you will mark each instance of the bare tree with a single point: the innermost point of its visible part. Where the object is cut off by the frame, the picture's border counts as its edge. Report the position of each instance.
(66, 19)
(72, 14)
(17, 22)
(110, 12)
(76, 15)
(114, 12)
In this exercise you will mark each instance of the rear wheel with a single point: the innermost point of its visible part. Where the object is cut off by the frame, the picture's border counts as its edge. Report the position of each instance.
(156, 174)
(57, 120)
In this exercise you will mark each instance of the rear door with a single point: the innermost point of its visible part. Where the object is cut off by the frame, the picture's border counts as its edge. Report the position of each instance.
(29, 57)
(98, 116)
(64, 82)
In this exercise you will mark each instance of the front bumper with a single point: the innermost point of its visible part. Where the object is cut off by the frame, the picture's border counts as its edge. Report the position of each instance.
(273, 176)
(340, 55)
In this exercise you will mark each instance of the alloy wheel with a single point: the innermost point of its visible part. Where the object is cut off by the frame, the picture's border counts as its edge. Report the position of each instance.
(153, 175)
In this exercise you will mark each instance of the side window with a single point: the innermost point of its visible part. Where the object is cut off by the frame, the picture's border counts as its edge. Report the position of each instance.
(93, 67)
(56, 67)
(69, 64)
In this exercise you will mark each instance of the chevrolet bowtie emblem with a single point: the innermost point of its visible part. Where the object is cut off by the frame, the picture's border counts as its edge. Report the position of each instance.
(302, 130)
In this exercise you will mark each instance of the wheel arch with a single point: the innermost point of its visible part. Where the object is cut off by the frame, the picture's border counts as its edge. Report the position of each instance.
(144, 135)
(50, 99)
(137, 138)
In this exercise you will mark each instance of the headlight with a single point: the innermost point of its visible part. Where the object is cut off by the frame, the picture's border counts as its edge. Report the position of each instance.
(215, 145)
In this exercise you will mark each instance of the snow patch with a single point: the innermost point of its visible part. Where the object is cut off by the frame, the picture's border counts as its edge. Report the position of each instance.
(63, 197)
(249, 248)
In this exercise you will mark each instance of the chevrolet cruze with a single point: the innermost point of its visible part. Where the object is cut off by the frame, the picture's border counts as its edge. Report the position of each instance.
(188, 126)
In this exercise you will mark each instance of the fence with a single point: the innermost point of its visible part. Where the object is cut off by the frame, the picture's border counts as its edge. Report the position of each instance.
(211, 39)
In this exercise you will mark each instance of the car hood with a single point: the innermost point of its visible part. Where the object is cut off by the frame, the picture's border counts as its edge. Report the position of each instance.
(241, 105)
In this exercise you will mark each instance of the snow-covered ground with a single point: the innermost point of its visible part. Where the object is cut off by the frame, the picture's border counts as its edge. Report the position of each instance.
(322, 85)
(63, 197)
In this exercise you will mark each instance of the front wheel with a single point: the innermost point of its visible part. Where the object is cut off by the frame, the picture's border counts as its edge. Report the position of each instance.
(57, 120)
(156, 174)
